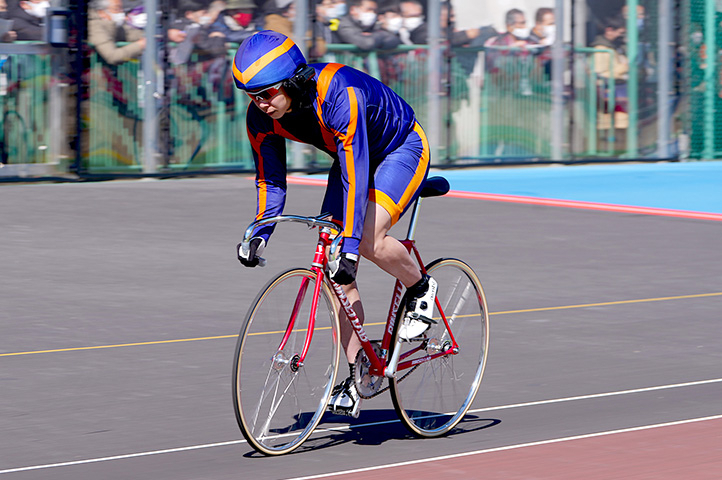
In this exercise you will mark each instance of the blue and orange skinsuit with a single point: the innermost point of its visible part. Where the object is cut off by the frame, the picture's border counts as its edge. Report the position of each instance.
(380, 151)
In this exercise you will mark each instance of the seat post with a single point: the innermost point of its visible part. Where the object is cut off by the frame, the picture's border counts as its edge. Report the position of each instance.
(414, 218)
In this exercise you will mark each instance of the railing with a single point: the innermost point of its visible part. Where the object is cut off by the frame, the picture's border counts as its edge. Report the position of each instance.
(201, 120)
(497, 109)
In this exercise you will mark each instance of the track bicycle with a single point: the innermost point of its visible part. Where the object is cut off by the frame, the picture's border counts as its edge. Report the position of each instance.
(288, 351)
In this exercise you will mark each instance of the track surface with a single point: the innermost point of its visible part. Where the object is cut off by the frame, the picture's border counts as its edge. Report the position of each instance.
(121, 302)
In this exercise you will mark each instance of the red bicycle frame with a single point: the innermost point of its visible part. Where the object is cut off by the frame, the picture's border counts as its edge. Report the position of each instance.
(379, 365)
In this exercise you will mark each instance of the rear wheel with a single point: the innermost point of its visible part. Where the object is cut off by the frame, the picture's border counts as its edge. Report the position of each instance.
(435, 394)
(278, 401)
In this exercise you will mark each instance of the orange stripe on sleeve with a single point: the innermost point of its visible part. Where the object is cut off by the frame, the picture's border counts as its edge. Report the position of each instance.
(347, 139)
(261, 175)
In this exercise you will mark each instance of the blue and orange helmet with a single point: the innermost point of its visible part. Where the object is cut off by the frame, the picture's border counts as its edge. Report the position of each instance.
(265, 58)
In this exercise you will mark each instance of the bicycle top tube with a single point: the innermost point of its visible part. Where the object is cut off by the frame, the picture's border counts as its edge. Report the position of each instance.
(312, 222)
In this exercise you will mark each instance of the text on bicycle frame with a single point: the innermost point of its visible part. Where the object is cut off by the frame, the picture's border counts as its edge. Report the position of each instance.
(349, 312)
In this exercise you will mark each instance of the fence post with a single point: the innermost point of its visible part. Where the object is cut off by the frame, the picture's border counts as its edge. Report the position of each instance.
(663, 76)
(633, 78)
(434, 77)
(300, 27)
(710, 82)
(150, 89)
(558, 61)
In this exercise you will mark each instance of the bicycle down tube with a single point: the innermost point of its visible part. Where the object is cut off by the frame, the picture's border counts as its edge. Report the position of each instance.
(379, 365)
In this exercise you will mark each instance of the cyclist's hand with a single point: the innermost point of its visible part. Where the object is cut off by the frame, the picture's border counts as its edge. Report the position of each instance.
(251, 256)
(343, 269)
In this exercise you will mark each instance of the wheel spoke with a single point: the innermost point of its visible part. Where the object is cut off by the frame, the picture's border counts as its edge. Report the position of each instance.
(278, 409)
(433, 398)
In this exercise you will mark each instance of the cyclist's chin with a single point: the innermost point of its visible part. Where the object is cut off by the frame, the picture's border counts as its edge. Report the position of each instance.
(275, 114)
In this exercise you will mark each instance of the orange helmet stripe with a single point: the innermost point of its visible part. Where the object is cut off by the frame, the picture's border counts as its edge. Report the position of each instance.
(246, 75)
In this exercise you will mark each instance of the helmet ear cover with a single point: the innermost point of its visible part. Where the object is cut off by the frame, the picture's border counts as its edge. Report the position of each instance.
(297, 84)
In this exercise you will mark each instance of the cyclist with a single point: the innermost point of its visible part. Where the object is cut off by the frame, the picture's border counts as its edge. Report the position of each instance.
(381, 159)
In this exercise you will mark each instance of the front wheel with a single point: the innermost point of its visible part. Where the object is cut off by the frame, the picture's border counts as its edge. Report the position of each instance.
(433, 395)
(278, 401)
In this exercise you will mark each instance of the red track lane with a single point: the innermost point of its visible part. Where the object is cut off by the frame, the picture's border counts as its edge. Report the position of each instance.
(688, 451)
(607, 207)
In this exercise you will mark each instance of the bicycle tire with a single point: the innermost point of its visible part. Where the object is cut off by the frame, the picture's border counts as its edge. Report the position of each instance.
(434, 396)
(277, 404)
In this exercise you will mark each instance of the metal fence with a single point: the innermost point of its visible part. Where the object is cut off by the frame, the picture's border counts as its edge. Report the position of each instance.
(497, 103)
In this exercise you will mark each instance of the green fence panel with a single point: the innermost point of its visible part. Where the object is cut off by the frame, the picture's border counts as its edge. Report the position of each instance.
(201, 118)
(24, 86)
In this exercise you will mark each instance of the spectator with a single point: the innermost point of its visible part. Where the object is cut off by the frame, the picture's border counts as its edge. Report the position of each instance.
(544, 30)
(237, 21)
(328, 14)
(612, 67)
(105, 19)
(389, 18)
(28, 18)
(357, 27)
(194, 25)
(413, 16)
(513, 62)
(612, 38)
(641, 15)
(516, 34)
(414, 28)
(7, 34)
(281, 21)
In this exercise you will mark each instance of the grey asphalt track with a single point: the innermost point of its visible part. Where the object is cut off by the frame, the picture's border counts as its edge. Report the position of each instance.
(119, 303)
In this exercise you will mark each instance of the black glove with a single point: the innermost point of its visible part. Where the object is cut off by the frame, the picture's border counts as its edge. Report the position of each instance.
(252, 256)
(343, 269)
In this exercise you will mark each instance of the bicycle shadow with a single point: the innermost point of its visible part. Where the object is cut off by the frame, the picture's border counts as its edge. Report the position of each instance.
(373, 428)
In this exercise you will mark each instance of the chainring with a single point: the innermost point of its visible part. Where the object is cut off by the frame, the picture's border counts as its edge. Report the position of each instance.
(368, 385)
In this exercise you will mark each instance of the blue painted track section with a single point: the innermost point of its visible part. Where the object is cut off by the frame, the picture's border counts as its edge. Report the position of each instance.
(692, 186)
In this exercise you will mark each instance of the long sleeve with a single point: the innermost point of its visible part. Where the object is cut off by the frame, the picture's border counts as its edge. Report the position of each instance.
(269, 156)
(348, 122)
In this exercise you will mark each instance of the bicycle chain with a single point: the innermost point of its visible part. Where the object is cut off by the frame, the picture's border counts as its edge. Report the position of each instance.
(399, 380)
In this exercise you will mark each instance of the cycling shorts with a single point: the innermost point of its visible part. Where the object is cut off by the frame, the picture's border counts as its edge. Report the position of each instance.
(394, 184)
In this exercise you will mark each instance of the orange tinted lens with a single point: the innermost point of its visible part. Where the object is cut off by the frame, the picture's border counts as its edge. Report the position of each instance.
(265, 94)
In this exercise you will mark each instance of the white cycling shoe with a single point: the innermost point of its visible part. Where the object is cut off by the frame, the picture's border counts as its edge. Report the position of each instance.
(345, 399)
(419, 309)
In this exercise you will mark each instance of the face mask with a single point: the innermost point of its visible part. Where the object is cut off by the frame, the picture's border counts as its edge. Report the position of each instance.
(205, 20)
(243, 19)
(412, 23)
(38, 10)
(394, 24)
(366, 19)
(520, 32)
(118, 18)
(549, 32)
(640, 23)
(139, 21)
(337, 11)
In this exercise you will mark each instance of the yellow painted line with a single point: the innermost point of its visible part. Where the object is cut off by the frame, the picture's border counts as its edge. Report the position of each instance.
(98, 347)
(529, 310)
(604, 304)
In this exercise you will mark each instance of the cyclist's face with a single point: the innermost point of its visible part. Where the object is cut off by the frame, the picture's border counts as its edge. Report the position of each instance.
(276, 106)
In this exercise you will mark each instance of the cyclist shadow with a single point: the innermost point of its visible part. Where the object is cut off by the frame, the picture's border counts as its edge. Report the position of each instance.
(376, 427)
(373, 428)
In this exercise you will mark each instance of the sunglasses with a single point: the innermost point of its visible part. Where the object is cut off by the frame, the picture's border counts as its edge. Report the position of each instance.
(265, 93)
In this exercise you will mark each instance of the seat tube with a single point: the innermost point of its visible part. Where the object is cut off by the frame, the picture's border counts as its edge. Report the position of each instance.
(414, 217)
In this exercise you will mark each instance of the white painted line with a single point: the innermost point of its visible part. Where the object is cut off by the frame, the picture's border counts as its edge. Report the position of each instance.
(121, 457)
(599, 395)
(363, 425)
(509, 447)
